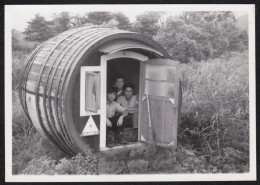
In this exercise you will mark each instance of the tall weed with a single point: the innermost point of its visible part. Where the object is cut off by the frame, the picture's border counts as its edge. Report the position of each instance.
(215, 112)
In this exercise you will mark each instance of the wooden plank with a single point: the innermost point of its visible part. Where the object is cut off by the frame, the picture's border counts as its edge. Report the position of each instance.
(65, 41)
(177, 88)
(45, 49)
(34, 77)
(144, 124)
(36, 67)
(43, 117)
(39, 59)
(43, 52)
(54, 54)
(179, 98)
(165, 62)
(160, 72)
(171, 123)
(76, 102)
(166, 81)
(159, 88)
(157, 117)
(134, 145)
(166, 145)
(41, 55)
(56, 121)
(30, 102)
(159, 98)
(163, 121)
(31, 86)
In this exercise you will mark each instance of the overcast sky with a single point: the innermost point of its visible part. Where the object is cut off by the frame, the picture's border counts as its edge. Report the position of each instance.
(21, 14)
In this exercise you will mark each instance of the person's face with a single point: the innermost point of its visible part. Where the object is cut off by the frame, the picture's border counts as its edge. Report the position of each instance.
(120, 83)
(128, 92)
(111, 96)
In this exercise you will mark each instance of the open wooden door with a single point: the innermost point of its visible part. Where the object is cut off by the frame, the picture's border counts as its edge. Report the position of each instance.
(89, 127)
(160, 80)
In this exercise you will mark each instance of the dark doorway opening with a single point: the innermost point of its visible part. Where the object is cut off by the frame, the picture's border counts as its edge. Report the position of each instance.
(130, 69)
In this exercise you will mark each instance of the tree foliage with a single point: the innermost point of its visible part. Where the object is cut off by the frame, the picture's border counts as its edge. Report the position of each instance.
(60, 22)
(38, 29)
(123, 21)
(188, 36)
(200, 35)
(99, 18)
(147, 23)
(20, 44)
(78, 20)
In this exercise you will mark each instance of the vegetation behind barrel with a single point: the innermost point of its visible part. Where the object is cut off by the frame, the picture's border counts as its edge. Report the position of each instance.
(213, 134)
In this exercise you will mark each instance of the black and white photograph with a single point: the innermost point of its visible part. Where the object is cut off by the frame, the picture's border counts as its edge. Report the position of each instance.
(100, 93)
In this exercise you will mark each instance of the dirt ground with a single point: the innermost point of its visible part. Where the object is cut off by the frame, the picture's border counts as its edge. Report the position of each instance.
(137, 160)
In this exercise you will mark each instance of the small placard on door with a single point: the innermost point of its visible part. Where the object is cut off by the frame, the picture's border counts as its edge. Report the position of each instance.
(90, 128)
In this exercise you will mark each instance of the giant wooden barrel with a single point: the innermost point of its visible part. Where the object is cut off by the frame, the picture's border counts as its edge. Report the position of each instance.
(49, 86)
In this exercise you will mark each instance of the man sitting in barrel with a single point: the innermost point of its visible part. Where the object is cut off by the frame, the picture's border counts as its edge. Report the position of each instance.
(119, 84)
(130, 102)
(115, 121)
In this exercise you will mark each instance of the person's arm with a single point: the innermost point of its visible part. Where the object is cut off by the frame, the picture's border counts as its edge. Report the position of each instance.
(119, 100)
(136, 101)
(108, 122)
(132, 109)
(123, 112)
(120, 120)
(134, 105)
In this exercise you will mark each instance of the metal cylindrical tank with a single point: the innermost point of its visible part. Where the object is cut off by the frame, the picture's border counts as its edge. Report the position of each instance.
(47, 86)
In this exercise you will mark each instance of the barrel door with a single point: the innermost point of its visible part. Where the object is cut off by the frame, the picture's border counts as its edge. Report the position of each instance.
(161, 82)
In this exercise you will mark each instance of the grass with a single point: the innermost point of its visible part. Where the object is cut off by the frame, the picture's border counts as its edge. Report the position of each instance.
(215, 112)
(213, 135)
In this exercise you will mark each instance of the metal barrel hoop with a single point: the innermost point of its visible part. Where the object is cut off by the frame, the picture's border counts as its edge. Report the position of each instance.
(56, 106)
(55, 133)
(67, 68)
(81, 52)
(51, 135)
(24, 75)
(48, 103)
(62, 53)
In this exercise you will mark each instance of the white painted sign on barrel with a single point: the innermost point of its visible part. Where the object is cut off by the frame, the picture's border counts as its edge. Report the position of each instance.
(90, 128)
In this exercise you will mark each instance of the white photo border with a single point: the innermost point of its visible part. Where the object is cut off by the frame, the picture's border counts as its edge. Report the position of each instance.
(9, 177)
